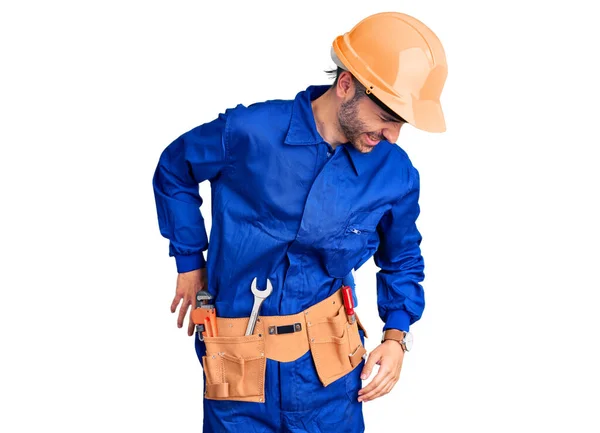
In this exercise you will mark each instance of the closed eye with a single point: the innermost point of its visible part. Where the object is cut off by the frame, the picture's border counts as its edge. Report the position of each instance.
(390, 119)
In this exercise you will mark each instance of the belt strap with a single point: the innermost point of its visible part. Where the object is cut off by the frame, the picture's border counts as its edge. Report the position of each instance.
(286, 337)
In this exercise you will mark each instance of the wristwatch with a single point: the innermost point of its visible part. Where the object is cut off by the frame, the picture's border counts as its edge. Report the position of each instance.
(404, 338)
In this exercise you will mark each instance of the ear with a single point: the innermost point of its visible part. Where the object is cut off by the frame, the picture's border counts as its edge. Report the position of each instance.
(345, 86)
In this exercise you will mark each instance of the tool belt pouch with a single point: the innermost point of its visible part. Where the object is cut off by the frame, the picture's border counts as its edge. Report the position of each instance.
(235, 368)
(335, 345)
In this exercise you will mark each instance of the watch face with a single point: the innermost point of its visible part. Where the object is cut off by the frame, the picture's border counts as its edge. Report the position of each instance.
(408, 341)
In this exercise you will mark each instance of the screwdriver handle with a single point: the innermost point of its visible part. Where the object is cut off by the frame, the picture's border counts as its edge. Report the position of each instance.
(348, 302)
(213, 326)
(207, 327)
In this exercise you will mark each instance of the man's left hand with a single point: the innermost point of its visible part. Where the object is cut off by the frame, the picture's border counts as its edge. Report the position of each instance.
(388, 355)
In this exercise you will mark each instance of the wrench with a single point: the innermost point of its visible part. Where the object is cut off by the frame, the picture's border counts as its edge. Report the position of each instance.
(259, 297)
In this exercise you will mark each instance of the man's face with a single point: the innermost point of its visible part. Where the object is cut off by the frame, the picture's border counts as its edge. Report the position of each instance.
(365, 124)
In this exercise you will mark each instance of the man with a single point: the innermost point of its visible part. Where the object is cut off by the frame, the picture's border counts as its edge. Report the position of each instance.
(303, 192)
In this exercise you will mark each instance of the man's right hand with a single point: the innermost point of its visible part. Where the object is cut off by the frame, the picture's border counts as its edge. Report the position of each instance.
(188, 283)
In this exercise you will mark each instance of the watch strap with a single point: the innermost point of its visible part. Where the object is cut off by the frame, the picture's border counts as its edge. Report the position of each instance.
(396, 335)
(393, 334)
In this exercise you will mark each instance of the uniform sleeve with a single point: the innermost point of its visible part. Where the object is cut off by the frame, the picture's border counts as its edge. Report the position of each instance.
(194, 157)
(400, 297)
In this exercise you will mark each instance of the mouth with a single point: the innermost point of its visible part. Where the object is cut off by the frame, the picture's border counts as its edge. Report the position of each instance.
(372, 138)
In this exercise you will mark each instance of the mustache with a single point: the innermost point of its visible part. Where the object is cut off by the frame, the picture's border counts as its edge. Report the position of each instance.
(375, 136)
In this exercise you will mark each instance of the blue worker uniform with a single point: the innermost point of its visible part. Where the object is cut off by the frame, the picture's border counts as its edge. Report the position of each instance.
(288, 207)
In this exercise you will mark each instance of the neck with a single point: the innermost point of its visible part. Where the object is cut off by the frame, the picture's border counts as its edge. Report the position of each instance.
(325, 111)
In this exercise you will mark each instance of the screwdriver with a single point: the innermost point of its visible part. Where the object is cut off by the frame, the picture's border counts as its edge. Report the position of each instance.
(210, 326)
(349, 303)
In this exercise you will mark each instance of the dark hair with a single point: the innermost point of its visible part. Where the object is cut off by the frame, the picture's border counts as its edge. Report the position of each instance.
(361, 91)
(335, 73)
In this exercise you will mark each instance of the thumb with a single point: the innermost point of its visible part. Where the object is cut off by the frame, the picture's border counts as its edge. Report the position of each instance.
(368, 368)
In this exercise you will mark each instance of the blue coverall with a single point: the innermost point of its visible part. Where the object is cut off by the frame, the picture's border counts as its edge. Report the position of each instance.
(287, 207)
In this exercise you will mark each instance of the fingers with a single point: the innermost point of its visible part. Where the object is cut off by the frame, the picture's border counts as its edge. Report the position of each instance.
(188, 283)
(191, 325)
(390, 362)
(183, 311)
(389, 387)
(377, 385)
(176, 300)
(373, 359)
(381, 390)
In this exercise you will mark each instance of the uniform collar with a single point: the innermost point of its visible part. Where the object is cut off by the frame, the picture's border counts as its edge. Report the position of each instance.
(363, 161)
(303, 129)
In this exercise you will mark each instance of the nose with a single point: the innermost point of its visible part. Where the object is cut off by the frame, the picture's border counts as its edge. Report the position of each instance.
(392, 132)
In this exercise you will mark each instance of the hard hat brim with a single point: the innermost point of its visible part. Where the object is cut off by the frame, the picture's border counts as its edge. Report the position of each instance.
(423, 114)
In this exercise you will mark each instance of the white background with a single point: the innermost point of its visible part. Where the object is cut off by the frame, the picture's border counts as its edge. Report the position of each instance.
(92, 92)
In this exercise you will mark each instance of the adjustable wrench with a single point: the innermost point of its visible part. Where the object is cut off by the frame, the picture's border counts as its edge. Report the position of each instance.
(259, 297)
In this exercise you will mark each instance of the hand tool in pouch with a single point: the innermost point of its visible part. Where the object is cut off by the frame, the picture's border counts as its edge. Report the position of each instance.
(204, 315)
(349, 303)
(259, 297)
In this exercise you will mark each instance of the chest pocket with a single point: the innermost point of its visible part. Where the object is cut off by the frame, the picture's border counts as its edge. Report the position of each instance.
(356, 244)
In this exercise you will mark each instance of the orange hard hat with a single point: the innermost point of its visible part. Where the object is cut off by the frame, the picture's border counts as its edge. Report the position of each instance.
(401, 62)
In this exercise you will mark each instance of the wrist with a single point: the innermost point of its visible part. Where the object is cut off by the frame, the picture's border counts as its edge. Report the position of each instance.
(403, 338)
(391, 343)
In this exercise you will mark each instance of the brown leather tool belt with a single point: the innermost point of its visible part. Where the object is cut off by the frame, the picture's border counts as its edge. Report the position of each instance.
(234, 364)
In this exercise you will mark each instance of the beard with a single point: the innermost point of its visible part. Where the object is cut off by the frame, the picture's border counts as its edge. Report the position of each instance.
(350, 125)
